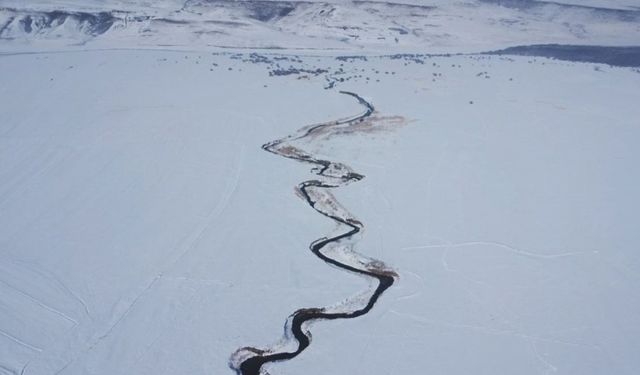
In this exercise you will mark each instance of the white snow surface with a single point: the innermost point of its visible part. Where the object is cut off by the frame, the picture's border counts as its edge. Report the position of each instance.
(144, 231)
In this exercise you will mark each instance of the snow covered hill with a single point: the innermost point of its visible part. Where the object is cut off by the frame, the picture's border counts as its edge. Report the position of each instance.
(434, 26)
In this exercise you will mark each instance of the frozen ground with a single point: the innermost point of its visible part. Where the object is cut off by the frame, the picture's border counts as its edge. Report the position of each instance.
(144, 231)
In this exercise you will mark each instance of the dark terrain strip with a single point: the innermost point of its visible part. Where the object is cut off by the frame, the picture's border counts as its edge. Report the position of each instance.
(626, 56)
(376, 270)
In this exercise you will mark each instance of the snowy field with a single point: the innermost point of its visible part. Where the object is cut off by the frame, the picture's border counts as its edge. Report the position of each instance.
(492, 197)
(144, 231)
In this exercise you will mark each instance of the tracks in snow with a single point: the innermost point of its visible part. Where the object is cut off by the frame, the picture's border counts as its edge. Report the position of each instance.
(334, 250)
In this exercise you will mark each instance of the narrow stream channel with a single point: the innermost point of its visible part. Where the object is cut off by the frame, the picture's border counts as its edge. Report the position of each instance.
(250, 360)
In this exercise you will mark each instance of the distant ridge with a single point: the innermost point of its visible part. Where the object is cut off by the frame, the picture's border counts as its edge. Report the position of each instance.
(437, 26)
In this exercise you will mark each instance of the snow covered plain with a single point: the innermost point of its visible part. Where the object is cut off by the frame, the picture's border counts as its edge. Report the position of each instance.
(143, 230)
